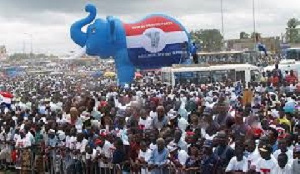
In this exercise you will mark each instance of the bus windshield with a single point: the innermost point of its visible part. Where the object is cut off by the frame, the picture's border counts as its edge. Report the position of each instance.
(293, 53)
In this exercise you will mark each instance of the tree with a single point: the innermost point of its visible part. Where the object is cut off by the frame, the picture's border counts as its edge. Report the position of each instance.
(255, 35)
(244, 35)
(292, 33)
(209, 39)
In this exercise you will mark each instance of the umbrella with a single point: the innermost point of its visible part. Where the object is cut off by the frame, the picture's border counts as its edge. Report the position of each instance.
(109, 74)
(97, 74)
(138, 75)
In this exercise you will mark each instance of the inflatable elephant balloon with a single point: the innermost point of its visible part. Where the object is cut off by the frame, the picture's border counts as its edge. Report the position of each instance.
(154, 42)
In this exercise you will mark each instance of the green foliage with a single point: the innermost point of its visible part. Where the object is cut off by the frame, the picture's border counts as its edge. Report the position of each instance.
(209, 39)
(292, 32)
(19, 56)
(255, 34)
(244, 35)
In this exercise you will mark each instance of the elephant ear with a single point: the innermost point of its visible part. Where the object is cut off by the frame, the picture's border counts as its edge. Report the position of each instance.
(112, 28)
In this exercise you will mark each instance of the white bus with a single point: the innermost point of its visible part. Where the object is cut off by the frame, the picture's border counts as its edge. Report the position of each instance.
(182, 74)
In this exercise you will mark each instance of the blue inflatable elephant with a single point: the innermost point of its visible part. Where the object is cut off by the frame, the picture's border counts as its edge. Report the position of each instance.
(153, 42)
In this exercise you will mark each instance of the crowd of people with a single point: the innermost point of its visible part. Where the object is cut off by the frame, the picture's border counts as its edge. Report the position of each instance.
(83, 125)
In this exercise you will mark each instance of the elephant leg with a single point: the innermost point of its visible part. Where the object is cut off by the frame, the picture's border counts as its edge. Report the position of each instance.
(125, 69)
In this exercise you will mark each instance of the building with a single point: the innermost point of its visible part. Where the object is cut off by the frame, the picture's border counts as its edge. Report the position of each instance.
(272, 44)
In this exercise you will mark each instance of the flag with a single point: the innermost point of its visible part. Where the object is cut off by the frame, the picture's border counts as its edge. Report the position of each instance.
(6, 98)
(262, 47)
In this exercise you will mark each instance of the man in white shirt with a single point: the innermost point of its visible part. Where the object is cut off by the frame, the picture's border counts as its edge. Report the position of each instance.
(296, 160)
(283, 167)
(81, 143)
(143, 157)
(104, 152)
(266, 164)
(253, 155)
(179, 141)
(282, 145)
(22, 141)
(145, 122)
(238, 163)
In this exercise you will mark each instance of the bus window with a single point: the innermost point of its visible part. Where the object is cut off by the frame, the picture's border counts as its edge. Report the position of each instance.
(166, 77)
(222, 76)
(204, 77)
(293, 54)
(255, 76)
(240, 76)
(185, 77)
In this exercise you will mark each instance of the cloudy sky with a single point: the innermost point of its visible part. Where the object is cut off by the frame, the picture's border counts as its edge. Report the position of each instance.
(48, 21)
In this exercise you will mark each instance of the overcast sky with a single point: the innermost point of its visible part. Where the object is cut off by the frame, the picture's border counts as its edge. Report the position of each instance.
(49, 20)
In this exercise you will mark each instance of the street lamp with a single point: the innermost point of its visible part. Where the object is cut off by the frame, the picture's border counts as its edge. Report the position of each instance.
(254, 24)
(222, 18)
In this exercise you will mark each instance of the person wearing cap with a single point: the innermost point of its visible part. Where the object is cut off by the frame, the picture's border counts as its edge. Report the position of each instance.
(177, 156)
(266, 163)
(104, 151)
(209, 160)
(159, 158)
(223, 150)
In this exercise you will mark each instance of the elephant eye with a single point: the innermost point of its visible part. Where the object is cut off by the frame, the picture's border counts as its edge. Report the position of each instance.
(93, 30)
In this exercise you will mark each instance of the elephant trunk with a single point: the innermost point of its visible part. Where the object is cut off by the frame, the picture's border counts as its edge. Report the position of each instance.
(77, 35)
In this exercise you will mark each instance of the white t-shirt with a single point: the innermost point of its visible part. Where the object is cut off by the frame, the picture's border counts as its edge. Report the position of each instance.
(286, 170)
(153, 114)
(146, 123)
(182, 124)
(182, 156)
(146, 155)
(235, 165)
(81, 145)
(152, 146)
(23, 142)
(264, 166)
(289, 153)
(91, 156)
(106, 150)
(70, 142)
(253, 158)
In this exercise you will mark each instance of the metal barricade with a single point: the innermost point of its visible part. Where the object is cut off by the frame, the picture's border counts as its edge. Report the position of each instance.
(59, 160)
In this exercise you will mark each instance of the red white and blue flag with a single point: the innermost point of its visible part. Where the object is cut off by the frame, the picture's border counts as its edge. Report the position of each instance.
(155, 41)
(6, 98)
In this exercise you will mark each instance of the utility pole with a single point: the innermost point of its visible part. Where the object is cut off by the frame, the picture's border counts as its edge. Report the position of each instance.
(222, 21)
(24, 46)
(254, 21)
(222, 18)
(31, 44)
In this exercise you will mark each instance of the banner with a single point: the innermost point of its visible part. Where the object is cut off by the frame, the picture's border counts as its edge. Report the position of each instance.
(155, 42)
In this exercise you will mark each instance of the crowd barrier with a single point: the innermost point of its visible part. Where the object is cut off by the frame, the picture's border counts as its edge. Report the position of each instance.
(37, 160)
